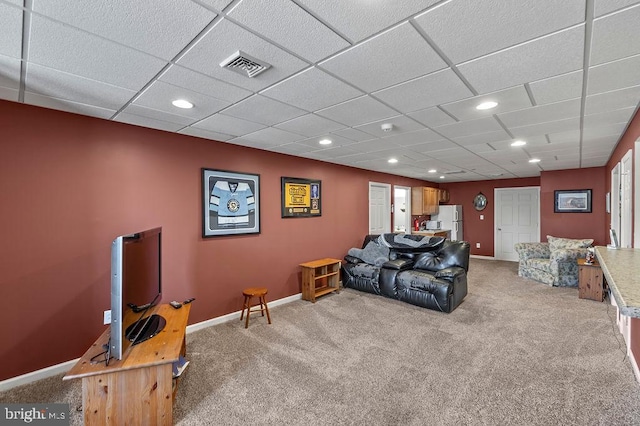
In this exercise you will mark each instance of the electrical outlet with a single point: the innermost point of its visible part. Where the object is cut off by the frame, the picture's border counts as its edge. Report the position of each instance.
(477, 245)
(107, 317)
(481, 217)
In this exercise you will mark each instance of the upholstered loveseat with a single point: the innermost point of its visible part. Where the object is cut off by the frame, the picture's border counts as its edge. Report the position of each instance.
(434, 279)
(555, 262)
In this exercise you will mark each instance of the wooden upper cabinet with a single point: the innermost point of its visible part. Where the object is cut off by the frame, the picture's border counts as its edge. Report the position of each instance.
(424, 200)
(443, 195)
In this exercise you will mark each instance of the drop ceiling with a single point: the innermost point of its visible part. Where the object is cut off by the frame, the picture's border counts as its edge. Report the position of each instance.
(565, 75)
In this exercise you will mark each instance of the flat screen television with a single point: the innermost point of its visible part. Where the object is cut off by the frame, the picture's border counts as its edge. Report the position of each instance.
(136, 287)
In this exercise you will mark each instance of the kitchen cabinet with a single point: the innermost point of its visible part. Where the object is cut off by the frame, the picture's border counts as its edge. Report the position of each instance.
(424, 200)
(443, 195)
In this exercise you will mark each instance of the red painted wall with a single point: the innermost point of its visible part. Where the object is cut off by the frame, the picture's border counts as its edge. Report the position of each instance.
(573, 225)
(70, 184)
(476, 230)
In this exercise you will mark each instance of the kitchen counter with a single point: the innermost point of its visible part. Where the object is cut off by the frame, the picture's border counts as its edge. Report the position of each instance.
(434, 233)
(621, 269)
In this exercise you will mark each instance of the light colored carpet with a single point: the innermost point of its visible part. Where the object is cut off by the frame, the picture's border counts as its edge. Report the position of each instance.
(514, 352)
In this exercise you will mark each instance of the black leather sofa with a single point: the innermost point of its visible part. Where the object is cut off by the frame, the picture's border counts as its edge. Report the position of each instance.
(435, 279)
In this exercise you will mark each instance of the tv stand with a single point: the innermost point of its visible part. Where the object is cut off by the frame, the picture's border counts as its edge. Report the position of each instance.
(140, 387)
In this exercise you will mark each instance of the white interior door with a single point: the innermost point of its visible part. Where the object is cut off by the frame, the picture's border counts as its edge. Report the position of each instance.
(517, 219)
(615, 200)
(626, 191)
(402, 209)
(636, 198)
(379, 208)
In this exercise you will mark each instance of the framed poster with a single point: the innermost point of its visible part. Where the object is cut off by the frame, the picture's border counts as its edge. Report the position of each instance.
(230, 203)
(572, 201)
(301, 197)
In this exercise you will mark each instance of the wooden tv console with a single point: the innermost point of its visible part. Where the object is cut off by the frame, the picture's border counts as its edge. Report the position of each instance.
(139, 388)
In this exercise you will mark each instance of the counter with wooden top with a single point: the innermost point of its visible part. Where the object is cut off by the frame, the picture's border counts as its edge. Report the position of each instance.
(621, 268)
(434, 233)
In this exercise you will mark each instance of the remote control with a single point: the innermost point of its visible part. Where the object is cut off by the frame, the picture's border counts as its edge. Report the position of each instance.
(176, 305)
(189, 300)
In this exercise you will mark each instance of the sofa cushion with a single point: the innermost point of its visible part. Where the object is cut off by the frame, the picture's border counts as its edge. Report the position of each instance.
(556, 243)
(539, 264)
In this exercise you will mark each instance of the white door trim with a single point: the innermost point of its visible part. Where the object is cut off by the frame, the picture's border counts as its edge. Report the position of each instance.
(407, 206)
(626, 194)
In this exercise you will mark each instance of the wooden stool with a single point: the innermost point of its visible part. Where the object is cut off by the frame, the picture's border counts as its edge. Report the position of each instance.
(258, 292)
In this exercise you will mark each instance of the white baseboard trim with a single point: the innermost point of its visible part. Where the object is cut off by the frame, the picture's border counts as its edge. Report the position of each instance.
(477, 256)
(66, 366)
(37, 375)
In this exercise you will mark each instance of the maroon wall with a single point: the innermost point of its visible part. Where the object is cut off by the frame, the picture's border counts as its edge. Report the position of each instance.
(476, 230)
(573, 225)
(70, 184)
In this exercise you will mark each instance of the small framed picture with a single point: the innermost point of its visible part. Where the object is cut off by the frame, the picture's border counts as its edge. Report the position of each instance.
(230, 203)
(572, 201)
(301, 197)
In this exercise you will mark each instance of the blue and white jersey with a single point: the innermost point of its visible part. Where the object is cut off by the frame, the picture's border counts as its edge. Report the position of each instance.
(232, 201)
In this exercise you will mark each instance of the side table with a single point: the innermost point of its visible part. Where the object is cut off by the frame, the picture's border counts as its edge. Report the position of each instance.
(320, 277)
(590, 281)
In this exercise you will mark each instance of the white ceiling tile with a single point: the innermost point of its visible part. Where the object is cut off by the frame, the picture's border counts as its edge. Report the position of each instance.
(312, 90)
(196, 82)
(488, 137)
(531, 141)
(614, 75)
(602, 7)
(608, 33)
(353, 134)
(226, 38)
(11, 30)
(609, 101)
(431, 146)
(510, 99)
(401, 124)
(544, 57)
(160, 95)
(357, 111)
(310, 125)
(9, 94)
(606, 118)
(9, 72)
(217, 5)
(175, 24)
(335, 141)
(66, 105)
(467, 29)
(155, 114)
(379, 63)
(139, 120)
(557, 88)
(542, 113)
(205, 134)
(91, 56)
(309, 38)
(595, 133)
(294, 148)
(471, 127)
(332, 152)
(480, 148)
(267, 137)
(229, 125)
(373, 145)
(430, 90)
(545, 128)
(571, 136)
(359, 19)
(414, 138)
(432, 117)
(60, 85)
(263, 110)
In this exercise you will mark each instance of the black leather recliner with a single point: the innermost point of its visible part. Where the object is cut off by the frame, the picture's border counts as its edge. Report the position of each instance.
(435, 280)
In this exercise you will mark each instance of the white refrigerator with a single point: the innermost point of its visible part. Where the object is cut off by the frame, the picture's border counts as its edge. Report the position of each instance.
(450, 217)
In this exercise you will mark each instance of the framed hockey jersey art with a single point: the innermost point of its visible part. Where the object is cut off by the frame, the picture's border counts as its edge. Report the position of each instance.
(230, 203)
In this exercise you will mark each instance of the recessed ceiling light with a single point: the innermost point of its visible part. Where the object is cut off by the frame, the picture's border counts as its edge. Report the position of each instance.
(442, 177)
(534, 160)
(393, 160)
(325, 142)
(518, 143)
(182, 103)
(487, 105)
(432, 171)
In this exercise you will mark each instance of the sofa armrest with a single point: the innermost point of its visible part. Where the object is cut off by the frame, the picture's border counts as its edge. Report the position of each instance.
(398, 264)
(451, 273)
(352, 259)
(568, 255)
(533, 250)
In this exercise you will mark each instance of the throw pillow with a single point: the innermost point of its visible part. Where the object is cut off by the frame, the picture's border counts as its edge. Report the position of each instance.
(556, 243)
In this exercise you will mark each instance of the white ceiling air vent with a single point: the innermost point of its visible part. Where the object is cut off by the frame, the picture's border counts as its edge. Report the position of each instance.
(244, 64)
